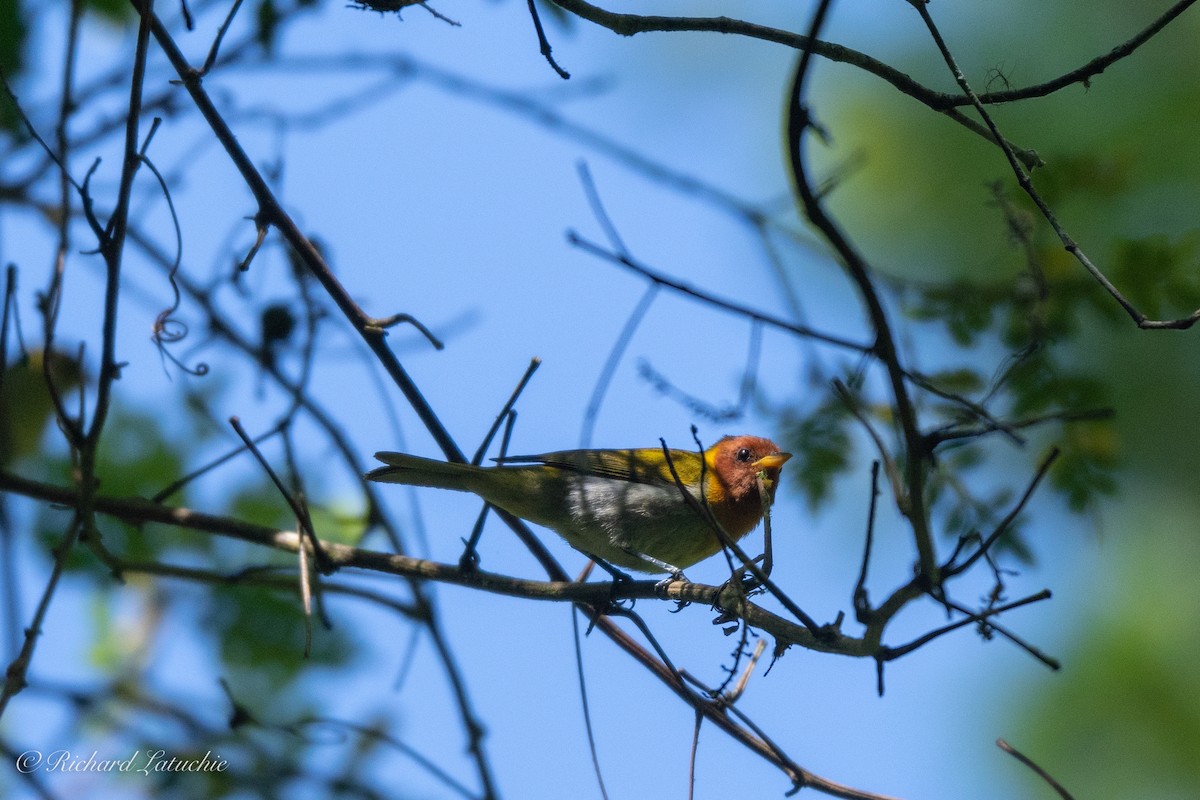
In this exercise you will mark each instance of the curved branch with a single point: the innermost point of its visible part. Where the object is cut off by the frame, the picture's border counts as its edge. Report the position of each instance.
(912, 502)
(138, 511)
(944, 102)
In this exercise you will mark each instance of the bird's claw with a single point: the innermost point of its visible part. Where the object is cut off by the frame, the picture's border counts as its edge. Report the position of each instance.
(468, 562)
(750, 583)
(660, 588)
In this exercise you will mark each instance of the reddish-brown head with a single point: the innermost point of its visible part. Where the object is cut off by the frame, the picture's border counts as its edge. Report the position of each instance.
(732, 491)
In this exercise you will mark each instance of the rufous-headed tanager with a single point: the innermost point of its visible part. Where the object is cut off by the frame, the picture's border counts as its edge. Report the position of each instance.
(621, 506)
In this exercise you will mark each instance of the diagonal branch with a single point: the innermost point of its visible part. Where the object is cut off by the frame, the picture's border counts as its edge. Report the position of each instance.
(1026, 183)
(591, 595)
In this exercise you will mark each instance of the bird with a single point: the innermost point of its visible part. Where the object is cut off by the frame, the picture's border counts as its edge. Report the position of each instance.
(624, 506)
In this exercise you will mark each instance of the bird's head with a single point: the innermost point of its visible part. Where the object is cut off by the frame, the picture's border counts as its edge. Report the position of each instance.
(736, 461)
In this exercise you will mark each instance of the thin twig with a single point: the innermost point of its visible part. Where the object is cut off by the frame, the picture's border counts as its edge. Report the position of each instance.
(15, 675)
(545, 49)
(298, 509)
(470, 555)
(702, 407)
(534, 363)
(862, 605)
(604, 379)
(8, 555)
(988, 626)
(692, 756)
(951, 569)
(592, 193)
(659, 279)
(892, 653)
(951, 433)
(427, 764)
(176, 485)
(1024, 759)
(739, 688)
(630, 24)
(889, 464)
(1023, 178)
(1084, 73)
(587, 711)
(220, 37)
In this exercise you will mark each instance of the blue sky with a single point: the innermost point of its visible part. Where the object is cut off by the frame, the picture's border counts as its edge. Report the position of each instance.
(451, 208)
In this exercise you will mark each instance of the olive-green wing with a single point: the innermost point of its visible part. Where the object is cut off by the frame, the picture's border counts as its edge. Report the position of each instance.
(645, 465)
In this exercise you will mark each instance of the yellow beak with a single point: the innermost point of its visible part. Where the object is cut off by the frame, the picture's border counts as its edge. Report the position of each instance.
(773, 461)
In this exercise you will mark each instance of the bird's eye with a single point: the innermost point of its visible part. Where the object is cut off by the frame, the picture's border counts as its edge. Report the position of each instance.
(743, 455)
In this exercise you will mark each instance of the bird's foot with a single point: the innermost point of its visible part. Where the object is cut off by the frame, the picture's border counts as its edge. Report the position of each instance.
(615, 601)
(661, 587)
(468, 562)
(749, 581)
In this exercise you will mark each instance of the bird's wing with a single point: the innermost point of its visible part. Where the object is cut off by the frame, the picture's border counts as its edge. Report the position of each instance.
(636, 465)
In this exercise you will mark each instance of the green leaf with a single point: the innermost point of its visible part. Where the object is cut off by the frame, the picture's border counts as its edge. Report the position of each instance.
(965, 309)
(822, 448)
(1086, 469)
(26, 408)
(1100, 174)
(1159, 275)
(260, 502)
(116, 11)
(13, 34)
(961, 381)
(268, 26)
(343, 525)
(260, 636)
(1039, 384)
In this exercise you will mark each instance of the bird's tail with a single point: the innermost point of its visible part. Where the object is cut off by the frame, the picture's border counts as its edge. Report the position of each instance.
(417, 471)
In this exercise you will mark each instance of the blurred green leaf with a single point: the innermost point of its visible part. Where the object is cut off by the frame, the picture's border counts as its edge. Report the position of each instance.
(135, 456)
(268, 25)
(106, 652)
(340, 525)
(821, 446)
(26, 408)
(965, 309)
(117, 11)
(1127, 721)
(13, 33)
(1086, 469)
(964, 457)
(962, 381)
(1039, 384)
(260, 502)
(1158, 274)
(259, 634)
(959, 513)
(1099, 173)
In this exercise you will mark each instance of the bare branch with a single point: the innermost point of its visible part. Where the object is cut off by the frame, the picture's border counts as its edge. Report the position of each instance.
(1023, 178)
(659, 279)
(1024, 759)
(912, 501)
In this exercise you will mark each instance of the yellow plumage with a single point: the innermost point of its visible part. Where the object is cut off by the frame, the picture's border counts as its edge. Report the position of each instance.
(623, 506)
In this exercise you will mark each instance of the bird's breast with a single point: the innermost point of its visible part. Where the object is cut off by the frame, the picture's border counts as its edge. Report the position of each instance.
(616, 503)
